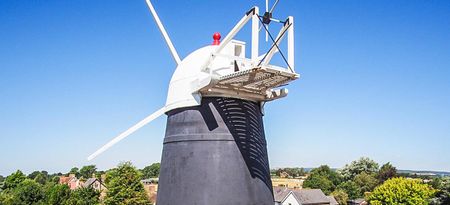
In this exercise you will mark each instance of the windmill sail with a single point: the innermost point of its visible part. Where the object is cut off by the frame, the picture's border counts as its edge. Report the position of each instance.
(128, 132)
(172, 49)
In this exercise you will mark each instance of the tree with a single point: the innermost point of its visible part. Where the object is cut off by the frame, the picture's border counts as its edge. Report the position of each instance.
(6, 198)
(319, 182)
(40, 178)
(386, 172)
(340, 196)
(13, 180)
(366, 182)
(151, 171)
(28, 192)
(87, 171)
(51, 176)
(401, 191)
(55, 179)
(84, 196)
(75, 171)
(1, 182)
(442, 185)
(295, 172)
(301, 172)
(322, 178)
(363, 164)
(351, 188)
(332, 175)
(45, 173)
(33, 174)
(99, 173)
(57, 194)
(124, 186)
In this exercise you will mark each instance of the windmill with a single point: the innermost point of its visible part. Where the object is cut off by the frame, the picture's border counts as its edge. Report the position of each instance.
(214, 150)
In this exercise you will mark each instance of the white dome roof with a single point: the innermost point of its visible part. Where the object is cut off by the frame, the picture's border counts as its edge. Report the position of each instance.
(188, 77)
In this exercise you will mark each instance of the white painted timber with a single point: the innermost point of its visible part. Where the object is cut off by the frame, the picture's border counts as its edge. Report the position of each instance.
(172, 49)
(128, 132)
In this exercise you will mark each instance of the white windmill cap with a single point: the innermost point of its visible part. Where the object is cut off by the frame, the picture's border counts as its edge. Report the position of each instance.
(189, 77)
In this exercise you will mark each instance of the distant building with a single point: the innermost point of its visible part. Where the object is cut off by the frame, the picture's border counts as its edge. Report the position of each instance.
(97, 184)
(72, 181)
(286, 196)
(151, 188)
(284, 175)
(287, 182)
(94, 183)
(332, 200)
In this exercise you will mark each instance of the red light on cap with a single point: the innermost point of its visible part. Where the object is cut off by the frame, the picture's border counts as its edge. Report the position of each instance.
(216, 37)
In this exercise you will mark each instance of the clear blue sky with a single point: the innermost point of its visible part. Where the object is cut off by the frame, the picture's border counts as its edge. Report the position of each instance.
(375, 80)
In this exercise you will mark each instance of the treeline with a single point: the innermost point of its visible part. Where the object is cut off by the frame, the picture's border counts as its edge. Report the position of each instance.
(364, 178)
(289, 172)
(151, 171)
(42, 188)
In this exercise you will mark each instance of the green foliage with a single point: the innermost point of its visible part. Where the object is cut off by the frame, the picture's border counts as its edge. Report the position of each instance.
(403, 191)
(151, 171)
(322, 178)
(75, 171)
(40, 178)
(19, 190)
(6, 198)
(87, 171)
(55, 179)
(1, 182)
(28, 192)
(436, 183)
(51, 176)
(83, 196)
(124, 186)
(99, 173)
(351, 188)
(386, 172)
(57, 194)
(319, 182)
(33, 174)
(443, 190)
(13, 180)
(332, 175)
(292, 172)
(363, 164)
(340, 196)
(365, 182)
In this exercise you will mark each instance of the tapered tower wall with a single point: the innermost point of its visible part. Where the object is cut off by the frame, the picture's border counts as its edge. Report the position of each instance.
(215, 154)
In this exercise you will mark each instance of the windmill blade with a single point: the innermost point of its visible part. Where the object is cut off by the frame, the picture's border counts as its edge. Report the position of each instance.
(267, 10)
(273, 7)
(169, 43)
(128, 132)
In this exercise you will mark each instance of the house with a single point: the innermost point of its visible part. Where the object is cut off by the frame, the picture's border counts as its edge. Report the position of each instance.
(72, 181)
(95, 183)
(332, 200)
(286, 196)
(287, 182)
(284, 175)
